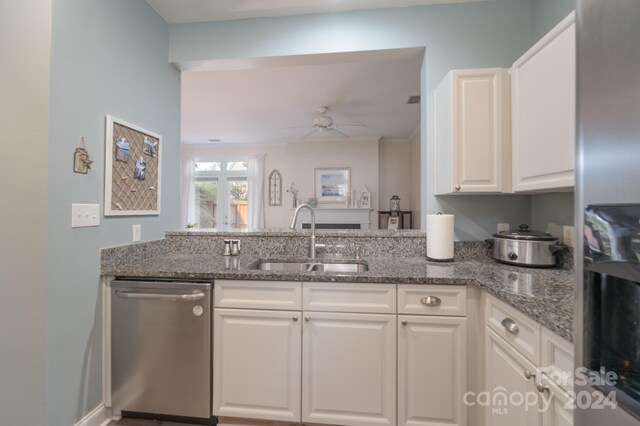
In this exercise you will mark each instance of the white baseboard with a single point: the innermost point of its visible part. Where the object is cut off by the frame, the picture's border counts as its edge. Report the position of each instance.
(100, 416)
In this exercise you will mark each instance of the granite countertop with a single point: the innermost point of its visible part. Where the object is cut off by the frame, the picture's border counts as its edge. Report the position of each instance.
(545, 295)
(286, 232)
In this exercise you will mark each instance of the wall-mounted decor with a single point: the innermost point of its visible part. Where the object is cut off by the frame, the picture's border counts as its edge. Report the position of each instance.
(275, 188)
(333, 185)
(81, 160)
(132, 170)
(365, 198)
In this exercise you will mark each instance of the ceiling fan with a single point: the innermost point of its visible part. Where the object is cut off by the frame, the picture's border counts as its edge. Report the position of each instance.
(324, 124)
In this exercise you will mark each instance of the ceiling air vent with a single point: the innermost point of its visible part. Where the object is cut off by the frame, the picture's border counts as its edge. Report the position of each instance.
(413, 100)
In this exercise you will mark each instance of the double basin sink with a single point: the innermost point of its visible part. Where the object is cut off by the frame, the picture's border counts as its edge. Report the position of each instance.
(312, 267)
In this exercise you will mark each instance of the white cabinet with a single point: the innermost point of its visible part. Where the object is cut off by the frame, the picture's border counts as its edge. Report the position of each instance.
(556, 413)
(544, 112)
(525, 362)
(256, 364)
(472, 132)
(349, 369)
(505, 377)
(432, 361)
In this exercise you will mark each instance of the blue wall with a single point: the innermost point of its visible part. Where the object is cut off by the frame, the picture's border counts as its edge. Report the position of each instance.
(545, 14)
(108, 57)
(481, 34)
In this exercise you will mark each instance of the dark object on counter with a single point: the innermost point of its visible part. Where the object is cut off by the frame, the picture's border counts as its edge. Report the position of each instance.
(524, 247)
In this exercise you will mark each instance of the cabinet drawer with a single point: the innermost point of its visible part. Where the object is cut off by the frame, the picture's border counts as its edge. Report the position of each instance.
(281, 295)
(349, 297)
(443, 300)
(525, 333)
(557, 359)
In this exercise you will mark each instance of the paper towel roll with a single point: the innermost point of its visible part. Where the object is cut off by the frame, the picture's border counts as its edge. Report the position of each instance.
(440, 236)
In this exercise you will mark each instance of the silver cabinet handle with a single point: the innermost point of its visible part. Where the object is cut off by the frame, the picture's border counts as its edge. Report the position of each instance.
(528, 374)
(458, 187)
(510, 325)
(307, 318)
(431, 301)
(404, 323)
(294, 319)
(542, 388)
(190, 297)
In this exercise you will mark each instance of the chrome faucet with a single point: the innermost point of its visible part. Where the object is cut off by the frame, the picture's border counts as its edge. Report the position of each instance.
(292, 225)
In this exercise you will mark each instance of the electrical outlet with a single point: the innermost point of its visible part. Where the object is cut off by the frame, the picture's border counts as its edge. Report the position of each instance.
(137, 233)
(85, 215)
(503, 227)
(567, 235)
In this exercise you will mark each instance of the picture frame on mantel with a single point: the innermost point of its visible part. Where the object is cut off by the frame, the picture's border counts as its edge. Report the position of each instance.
(133, 170)
(332, 185)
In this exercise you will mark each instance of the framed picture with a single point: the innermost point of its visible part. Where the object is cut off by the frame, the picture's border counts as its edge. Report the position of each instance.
(393, 222)
(132, 170)
(333, 184)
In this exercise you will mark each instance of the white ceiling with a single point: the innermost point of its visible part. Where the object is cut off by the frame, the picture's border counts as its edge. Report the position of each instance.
(255, 105)
(185, 11)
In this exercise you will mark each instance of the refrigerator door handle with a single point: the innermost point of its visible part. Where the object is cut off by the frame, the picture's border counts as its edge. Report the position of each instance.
(189, 297)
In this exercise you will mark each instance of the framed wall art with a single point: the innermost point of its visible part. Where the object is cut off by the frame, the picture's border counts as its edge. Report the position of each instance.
(332, 185)
(132, 170)
(275, 188)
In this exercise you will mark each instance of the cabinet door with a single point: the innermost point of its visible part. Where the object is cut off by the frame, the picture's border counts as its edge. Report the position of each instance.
(557, 412)
(544, 112)
(349, 369)
(256, 364)
(432, 370)
(506, 382)
(472, 132)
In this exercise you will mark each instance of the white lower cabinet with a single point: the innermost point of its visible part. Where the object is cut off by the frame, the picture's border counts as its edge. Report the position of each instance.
(556, 413)
(432, 370)
(525, 367)
(349, 369)
(505, 378)
(256, 364)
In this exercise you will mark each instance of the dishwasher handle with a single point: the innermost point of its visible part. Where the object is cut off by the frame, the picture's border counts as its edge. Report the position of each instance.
(189, 297)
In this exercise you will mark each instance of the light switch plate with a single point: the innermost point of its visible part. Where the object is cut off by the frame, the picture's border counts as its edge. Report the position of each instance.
(567, 235)
(85, 215)
(137, 233)
(503, 227)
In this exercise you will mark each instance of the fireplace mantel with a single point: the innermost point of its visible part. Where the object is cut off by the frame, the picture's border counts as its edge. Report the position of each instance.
(336, 218)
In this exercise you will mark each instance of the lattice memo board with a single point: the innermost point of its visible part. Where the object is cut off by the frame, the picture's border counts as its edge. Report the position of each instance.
(132, 187)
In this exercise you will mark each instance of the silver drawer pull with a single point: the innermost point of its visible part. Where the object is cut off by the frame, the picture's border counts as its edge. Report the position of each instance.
(431, 301)
(528, 374)
(161, 296)
(510, 325)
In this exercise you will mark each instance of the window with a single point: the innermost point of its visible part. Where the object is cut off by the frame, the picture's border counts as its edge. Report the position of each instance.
(221, 193)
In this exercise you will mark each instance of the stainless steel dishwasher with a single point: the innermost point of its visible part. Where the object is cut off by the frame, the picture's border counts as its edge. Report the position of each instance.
(161, 349)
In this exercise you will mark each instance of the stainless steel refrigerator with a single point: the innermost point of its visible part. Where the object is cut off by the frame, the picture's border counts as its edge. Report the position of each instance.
(607, 332)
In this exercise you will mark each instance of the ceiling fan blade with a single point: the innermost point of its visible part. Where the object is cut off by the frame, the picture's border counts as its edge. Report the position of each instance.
(351, 125)
(296, 127)
(305, 136)
(342, 134)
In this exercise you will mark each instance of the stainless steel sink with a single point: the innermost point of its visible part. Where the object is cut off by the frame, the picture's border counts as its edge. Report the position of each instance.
(313, 267)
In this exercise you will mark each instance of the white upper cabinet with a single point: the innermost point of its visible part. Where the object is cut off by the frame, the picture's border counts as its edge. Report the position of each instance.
(472, 132)
(544, 112)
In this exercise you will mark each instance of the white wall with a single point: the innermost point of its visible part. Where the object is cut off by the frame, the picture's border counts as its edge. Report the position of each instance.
(395, 173)
(25, 39)
(415, 162)
(296, 162)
